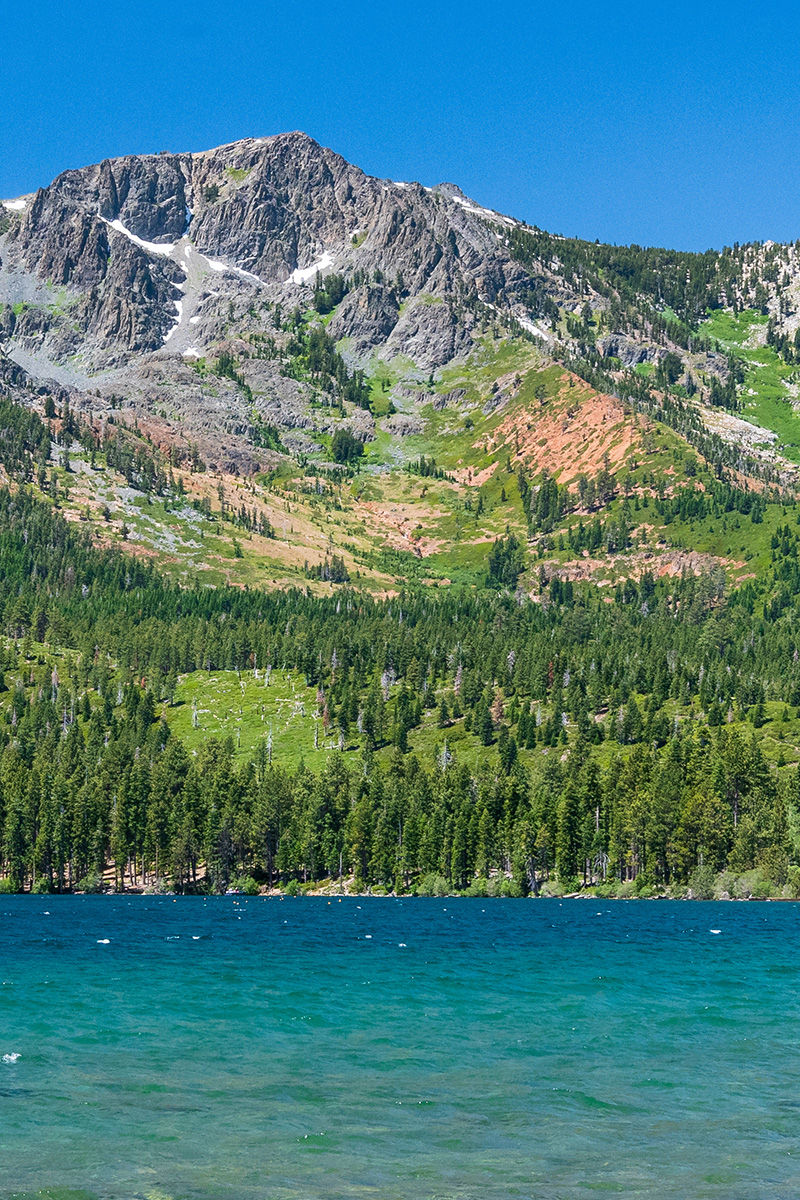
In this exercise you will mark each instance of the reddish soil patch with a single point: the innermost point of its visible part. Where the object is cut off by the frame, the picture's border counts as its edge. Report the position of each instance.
(573, 433)
(396, 525)
(659, 563)
(475, 478)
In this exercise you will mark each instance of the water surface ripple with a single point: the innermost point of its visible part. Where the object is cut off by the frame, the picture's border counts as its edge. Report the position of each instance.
(267, 1049)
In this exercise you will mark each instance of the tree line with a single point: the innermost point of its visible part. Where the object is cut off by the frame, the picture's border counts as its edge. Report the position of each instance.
(619, 734)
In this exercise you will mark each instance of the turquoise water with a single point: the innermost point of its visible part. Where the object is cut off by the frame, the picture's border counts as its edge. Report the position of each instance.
(235, 1049)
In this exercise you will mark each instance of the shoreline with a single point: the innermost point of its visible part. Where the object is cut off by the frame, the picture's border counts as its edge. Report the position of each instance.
(751, 885)
(322, 894)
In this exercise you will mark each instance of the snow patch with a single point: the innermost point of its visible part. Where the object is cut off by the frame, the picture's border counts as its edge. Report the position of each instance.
(216, 264)
(192, 352)
(488, 214)
(525, 322)
(164, 249)
(179, 306)
(304, 274)
(181, 252)
(15, 205)
(535, 329)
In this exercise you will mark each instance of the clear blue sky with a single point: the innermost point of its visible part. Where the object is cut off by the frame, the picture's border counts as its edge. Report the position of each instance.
(670, 124)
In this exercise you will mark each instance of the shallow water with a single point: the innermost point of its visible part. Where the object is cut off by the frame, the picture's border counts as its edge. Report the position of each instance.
(235, 1049)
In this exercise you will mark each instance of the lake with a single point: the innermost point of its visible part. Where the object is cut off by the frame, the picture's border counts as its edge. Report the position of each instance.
(259, 1049)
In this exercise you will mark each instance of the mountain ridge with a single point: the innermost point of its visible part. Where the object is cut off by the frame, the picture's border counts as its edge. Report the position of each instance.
(250, 307)
(352, 529)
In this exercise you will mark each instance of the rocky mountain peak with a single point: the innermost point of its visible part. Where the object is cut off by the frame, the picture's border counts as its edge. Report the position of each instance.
(259, 213)
(118, 276)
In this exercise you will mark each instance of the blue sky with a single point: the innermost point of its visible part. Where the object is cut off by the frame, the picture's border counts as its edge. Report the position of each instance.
(669, 124)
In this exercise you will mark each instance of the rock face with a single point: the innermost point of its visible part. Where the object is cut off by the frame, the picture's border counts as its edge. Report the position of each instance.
(367, 316)
(118, 277)
(629, 351)
(265, 213)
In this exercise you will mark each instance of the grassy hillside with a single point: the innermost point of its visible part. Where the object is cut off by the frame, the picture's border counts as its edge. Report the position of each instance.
(427, 500)
(769, 394)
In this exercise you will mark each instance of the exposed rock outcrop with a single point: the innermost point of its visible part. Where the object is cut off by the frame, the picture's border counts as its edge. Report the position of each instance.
(128, 271)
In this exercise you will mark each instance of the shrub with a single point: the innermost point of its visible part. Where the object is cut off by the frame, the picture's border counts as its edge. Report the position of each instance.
(647, 892)
(478, 887)
(570, 883)
(158, 888)
(773, 862)
(702, 883)
(727, 885)
(92, 883)
(245, 884)
(433, 885)
(752, 885)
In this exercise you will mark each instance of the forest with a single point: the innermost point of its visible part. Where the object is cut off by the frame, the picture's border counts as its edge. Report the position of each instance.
(620, 731)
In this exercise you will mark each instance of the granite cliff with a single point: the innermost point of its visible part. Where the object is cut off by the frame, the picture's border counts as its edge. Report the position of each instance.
(128, 282)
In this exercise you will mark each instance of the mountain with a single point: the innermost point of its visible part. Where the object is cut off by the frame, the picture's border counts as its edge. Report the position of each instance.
(352, 531)
(120, 281)
(266, 307)
(118, 277)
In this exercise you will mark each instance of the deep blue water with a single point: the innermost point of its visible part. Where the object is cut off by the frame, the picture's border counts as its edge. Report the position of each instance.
(234, 1049)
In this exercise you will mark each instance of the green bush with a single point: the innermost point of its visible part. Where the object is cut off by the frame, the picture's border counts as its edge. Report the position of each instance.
(292, 888)
(92, 883)
(41, 886)
(433, 885)
(773, 862)
(245, 884)
(7, 887)
(570, 883)
(647, 892)
(752, 885)
(159, 888)
(727, 884)
(479, 887)
(702, 883)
